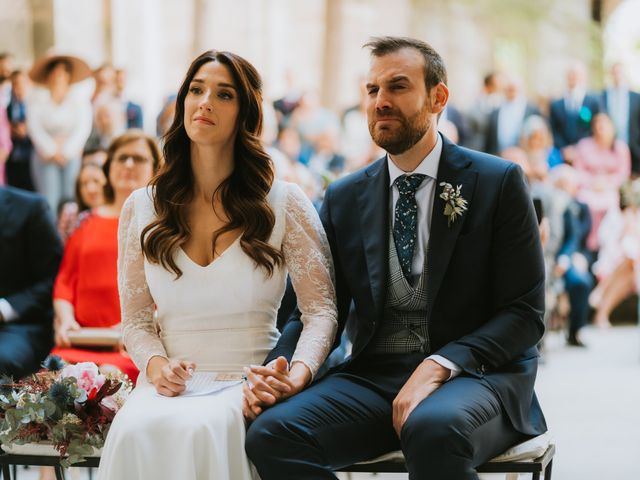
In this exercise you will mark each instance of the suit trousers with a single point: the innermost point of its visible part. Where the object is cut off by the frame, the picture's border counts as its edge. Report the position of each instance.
(578, 285)
(346, 418)
(23, 347)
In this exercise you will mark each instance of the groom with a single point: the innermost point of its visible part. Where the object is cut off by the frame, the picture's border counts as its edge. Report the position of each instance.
(437, 247)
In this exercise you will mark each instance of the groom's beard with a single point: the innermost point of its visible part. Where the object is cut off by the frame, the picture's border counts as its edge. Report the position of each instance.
(400, 136)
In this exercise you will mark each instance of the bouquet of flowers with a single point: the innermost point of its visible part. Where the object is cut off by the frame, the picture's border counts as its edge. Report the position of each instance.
(70, 406)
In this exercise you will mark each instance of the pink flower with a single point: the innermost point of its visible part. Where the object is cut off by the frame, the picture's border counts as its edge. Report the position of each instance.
(88, 376)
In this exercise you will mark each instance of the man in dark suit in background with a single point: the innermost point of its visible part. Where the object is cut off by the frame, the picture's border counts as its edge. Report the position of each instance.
(570, 115)
(505, 122)
(132, 111)
(30, 253)
(623, 106)
(444, 354)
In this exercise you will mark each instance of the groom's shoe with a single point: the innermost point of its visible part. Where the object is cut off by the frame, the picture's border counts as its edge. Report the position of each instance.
(574, 341)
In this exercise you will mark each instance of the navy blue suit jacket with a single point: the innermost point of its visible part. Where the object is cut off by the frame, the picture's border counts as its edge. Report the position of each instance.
(30, 253)
(485, 284)
(569, 128)
(491, 143)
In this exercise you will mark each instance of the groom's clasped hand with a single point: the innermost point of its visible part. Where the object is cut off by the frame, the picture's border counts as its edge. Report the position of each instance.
(264, 386)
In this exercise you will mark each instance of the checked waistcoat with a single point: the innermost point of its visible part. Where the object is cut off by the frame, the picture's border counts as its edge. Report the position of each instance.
(404, 325)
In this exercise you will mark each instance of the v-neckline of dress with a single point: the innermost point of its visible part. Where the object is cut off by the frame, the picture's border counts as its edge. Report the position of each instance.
(215, 260)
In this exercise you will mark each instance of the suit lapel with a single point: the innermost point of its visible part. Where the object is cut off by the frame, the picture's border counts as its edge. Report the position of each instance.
(373, 204)
(453, 169)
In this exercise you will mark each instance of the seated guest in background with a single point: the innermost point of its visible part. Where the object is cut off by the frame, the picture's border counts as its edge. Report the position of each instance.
(570, 115)
(537, 143)
(30, 252)
(619, 258)
(89, 195)
(573, 259)
(90, 187)
(109, 122)
(603, 164)
(94, 155)
(86, 291)
(623, 106)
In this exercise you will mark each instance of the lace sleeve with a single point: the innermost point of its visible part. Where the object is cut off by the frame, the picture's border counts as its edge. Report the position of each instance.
(137, 305)
(308, 259)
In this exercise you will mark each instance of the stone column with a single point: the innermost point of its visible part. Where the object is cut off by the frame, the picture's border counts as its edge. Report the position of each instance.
(348, 25)
(43, 29)
(136, 46)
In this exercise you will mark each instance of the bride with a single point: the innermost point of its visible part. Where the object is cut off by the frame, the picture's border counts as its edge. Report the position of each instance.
(208, 246)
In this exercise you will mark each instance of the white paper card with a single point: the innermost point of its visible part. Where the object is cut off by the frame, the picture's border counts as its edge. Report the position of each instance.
(208, 383)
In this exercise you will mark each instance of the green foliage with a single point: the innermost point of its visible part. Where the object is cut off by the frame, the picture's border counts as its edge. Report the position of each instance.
(49, 407)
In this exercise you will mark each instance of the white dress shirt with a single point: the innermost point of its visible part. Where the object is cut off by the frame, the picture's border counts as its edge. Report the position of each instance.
(510, 120)
(425, 196)
(574, 98)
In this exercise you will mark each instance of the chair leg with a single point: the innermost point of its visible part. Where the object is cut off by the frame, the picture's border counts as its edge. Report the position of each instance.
(59, 472)
(6, 472)
(547, 471)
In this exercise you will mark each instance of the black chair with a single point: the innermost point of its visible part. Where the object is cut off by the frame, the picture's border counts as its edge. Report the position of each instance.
(7, 460)
(536, 466)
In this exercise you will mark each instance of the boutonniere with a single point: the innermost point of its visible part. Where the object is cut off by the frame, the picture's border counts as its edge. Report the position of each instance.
(585, 114)
(454, 203)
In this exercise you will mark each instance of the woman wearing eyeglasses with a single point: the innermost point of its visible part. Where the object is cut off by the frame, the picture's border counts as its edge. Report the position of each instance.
(86, 291)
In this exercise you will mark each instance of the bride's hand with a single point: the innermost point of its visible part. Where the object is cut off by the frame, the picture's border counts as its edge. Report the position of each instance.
(266, 386)
(263, 390)
(169, 376)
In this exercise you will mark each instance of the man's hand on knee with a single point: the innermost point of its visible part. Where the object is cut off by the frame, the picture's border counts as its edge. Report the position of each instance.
(423, 382)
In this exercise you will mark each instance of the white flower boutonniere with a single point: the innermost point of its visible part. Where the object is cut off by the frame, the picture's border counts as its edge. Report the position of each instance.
(454, 204)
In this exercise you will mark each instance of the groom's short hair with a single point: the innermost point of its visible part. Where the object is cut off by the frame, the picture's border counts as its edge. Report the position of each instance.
(434, 69)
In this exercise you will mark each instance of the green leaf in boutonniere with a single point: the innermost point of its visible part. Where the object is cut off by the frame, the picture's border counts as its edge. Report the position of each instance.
(454, 204)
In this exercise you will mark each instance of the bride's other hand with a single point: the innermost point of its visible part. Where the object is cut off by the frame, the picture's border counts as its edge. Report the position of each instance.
(271, 383)
(169, 376)
(266, 386)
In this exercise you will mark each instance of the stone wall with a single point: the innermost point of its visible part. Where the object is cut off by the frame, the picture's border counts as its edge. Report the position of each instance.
(319, 41)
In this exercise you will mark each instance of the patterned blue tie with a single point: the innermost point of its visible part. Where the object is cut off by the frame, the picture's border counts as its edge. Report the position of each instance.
(405, 224)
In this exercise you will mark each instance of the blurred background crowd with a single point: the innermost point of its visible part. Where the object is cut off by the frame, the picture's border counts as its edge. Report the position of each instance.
(72, 130)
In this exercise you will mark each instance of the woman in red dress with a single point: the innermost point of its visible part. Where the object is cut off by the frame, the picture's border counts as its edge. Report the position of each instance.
(86, 290)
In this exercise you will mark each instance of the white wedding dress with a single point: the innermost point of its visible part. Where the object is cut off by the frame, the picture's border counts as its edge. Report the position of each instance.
(222, 317)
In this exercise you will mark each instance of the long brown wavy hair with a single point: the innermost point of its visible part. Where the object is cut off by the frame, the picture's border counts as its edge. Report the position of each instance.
(243, 194)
